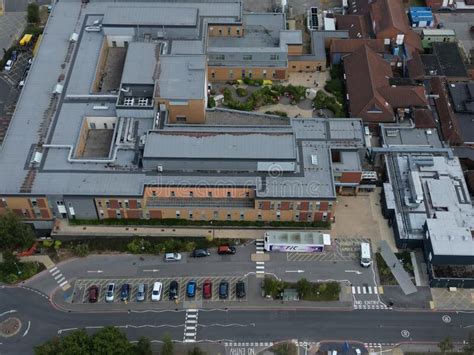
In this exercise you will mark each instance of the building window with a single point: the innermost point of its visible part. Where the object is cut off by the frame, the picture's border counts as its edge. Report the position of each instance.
(219, 57)
(139, 204)
(3, 203)
(330, 205)
(180, 118)
(297, 216)
(272, 205)
(101, 213)
(260, 205)
(153, 193)
(307, 67)
(172, 194)
(274, 57)
(290, 206)
(238, 31)
(325, 216)
(293, 66)
(278, 205)
(209, 194)
(242, 216)
(264, 74)
(298, 205)
(190, 214)
(247, 194)
(120, 204)
(278, 214)
(216, 215)
(259, 216)
(114, 44)
(126, 204)
(228, 31)
(107, 204)
(99, 203)
(190, 194)
(34, 203)
(308, 217)
(229, 194)
(274, 74)
(231, 74)
(213, 75)
(118, 214)
(250, 74)
(247, 57)
(229, 216)
(178, 214)
(243, 73)
(318, 205)
(220, 31)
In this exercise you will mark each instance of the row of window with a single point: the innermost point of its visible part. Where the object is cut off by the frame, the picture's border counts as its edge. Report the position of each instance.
(245, 74)
(312, 206)
(244, 57)
(191, 194)
(120, 203)
(229, 31)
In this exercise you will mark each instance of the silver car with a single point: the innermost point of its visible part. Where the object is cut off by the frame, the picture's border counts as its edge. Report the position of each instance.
(141, 293)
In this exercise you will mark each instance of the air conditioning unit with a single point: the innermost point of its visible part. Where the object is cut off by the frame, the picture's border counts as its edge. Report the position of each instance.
(159, 168)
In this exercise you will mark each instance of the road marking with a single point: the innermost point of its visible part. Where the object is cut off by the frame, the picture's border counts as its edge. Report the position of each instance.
(63, 283)
(405, 333)
(354, 271)
(353, 290)
(358, 289)
(370, 290)
(295, 271)
(260, 267)
(376, 290)
(27, 329)
(95, 271)
(260, 262)
(7, 312)
(151, 270)
(55, 272)
(446, 318)
(53, 269)
(190, 329)
(58, 276)
(364, 290)
(61, 280)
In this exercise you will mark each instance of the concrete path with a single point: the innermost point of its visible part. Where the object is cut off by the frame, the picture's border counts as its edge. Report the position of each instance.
(43, 259)
(402, 277)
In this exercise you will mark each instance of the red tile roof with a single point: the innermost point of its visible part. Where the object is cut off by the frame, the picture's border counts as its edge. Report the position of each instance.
(351, 45)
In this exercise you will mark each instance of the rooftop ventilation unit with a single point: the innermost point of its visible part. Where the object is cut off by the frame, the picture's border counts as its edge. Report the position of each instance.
(314, 159)
(73, 37)
(392, 132)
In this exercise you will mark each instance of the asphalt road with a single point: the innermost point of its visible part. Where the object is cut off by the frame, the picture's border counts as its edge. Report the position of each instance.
(41, 321)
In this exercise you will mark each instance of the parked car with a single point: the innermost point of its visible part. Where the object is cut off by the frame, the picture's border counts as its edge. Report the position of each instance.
(14, 56)
(156, 293)
(141, 292)
(207, 289)
(109, 295)
(223, 290)
(226, 249)
(93, 294)
(8, 65)
(173, 291)
(125, 292)
(172, 257)
(200, 253)
(191, 288)
(240, 289)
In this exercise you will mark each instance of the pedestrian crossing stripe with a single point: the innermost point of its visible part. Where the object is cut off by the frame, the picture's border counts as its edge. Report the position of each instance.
(363, 290)
(249, 344)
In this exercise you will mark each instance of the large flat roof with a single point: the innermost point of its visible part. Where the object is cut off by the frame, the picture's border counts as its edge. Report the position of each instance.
(221, 145)
(143, 15)
(140, 63)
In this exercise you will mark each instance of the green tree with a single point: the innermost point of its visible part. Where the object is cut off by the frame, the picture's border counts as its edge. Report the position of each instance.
(168, 347)
(32, 13)
(14, 234)
(77, 342)
(469, 347)
(304, 287)
(142, 347)
(51, 347)
(446, 345)
(196, 351)
(110, 340)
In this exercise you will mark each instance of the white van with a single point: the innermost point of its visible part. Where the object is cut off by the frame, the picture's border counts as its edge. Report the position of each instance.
(365, 255)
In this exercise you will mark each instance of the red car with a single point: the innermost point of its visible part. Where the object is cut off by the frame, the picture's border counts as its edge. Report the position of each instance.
(207, 289)
(93, 294)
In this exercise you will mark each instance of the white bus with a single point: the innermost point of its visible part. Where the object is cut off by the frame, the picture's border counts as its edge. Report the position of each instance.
(295, 241)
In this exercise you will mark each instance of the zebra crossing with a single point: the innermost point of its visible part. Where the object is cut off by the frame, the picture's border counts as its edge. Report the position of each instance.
(260, 246)
(259, 265)
(59, 278)
(369, 305)
(249, 344)
(365, 290)
(190, 325)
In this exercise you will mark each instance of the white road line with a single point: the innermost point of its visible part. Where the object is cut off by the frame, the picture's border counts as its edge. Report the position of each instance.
(364, 290)
(353, 290)
(260, 262)
(54, 268)
(61, 280)
(55, 272)
(260, 267)
(27, 329)
(191, 321)
(260, 252)
(358, 289)
(370, 290)
(376, 291)
(63, 283)
(7, 312)
(58, 276)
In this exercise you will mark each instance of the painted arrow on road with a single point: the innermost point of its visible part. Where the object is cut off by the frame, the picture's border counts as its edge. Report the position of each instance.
(152, 270)
(95, 271)
(296, 271)
(354, 271)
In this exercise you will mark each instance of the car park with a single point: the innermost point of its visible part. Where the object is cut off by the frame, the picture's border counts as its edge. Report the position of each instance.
(226, 249)
(240, 289)
(191, 288)
(200, 253)
(109, 295)
(141, 291)
(8, 65)
(207, 289)
(172, 257)
(125, 292)
(93, 294)
(223, 289)
(173, 290)
(156, 292)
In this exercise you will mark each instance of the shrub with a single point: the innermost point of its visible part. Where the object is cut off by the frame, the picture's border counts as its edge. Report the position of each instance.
(303, 286)
(241, 92)
(81, 249)
(277, 113)
(211, 102)
(11, 279)
(32, 13)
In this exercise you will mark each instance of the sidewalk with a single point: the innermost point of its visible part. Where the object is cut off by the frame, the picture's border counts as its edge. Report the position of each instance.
(43, 259)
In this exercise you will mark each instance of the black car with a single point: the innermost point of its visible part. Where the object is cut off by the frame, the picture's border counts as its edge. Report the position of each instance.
(173, 291)
(200, 253)
(223, 290)
(240, 289)
(125, 292)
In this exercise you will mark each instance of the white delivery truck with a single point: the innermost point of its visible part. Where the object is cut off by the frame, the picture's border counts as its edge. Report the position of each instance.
(365, 255)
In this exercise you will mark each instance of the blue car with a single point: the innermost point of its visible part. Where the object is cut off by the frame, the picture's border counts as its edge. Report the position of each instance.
(191, 289)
